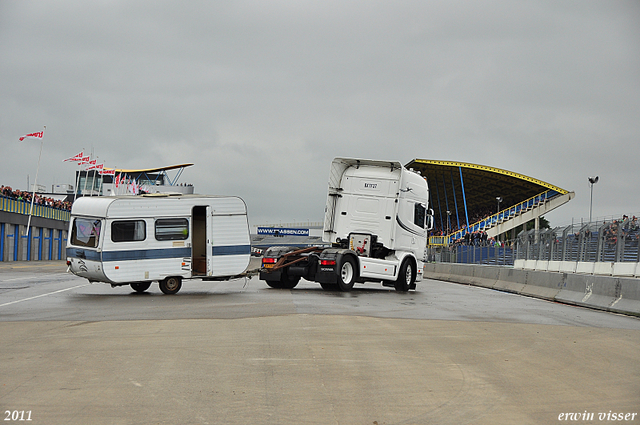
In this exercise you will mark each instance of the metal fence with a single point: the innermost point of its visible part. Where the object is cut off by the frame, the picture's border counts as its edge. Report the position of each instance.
(501, 254)
(605, 241)
(24, 207)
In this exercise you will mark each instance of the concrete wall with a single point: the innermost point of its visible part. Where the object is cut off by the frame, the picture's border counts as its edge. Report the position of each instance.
(46, 241)
(610, 293)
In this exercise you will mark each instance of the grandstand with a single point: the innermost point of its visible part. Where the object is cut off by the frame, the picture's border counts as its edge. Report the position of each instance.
(124, 181)
(469, 198)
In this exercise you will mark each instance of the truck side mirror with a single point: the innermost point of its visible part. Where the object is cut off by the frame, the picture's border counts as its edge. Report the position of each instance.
(430, 219)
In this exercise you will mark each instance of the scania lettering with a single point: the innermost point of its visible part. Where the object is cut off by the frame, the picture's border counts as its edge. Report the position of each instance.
(375, 236)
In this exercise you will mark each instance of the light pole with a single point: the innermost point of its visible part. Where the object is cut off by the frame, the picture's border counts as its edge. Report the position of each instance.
(499, 199)
(592, 181)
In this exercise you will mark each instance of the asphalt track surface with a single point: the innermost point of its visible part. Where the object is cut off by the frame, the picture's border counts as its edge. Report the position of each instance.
(239, 352)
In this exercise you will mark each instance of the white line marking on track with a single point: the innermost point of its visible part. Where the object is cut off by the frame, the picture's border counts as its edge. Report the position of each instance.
(44, 295)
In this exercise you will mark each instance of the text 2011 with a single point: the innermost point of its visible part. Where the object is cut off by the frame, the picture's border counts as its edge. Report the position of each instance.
(17, 415)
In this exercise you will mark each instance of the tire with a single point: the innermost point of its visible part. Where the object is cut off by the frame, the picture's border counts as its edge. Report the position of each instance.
(347, 276)
(274, 284)
(288, 282)
(171, 285)
(406, 277)
(329, 286)
(285, 281)
(140, 286)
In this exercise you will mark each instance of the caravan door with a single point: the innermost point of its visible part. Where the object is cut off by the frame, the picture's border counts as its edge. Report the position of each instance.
(230, 243)
(200, 263)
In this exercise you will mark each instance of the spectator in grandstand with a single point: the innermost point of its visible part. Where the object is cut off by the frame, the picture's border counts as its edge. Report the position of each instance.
(611, 234)
(20, 195)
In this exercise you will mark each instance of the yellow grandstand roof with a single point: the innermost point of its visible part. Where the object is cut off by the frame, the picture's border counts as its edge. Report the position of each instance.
(482, 185)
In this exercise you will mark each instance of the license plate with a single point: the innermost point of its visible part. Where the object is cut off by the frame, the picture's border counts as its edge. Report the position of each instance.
(268, 266)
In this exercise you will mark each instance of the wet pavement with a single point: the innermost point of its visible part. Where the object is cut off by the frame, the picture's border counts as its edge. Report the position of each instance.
(241, 352)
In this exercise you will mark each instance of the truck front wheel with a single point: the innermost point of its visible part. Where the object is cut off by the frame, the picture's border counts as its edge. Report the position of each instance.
(347, 276)
(170, 285)
(406, 277)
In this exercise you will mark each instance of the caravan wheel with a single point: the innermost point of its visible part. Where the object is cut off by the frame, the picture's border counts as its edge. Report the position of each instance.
(140, 286)
(171, 285)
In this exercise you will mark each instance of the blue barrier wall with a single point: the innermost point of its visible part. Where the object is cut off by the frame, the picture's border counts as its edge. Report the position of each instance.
(44, 241)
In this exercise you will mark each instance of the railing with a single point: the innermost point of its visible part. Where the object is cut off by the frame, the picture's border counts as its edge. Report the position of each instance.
(501, 216)
(608, 241)
(501, 254)
(611, 242)
(23, 207)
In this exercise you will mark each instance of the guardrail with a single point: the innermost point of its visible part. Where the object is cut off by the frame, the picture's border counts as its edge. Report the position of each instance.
(23, 207)
(610, 293)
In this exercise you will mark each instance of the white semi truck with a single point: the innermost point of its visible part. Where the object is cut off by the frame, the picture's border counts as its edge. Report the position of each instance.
(377, 220)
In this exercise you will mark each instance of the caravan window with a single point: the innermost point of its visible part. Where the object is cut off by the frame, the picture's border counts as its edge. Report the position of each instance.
(420, 215)
(172, 229)
(85, 232)
(128, 231)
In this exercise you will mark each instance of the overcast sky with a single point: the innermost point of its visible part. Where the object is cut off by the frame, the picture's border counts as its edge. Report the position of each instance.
(261, 95)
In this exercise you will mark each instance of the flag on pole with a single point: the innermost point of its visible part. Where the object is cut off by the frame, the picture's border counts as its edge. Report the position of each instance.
(95, 166)
(36, 135)
(77, 157)
(104, 172)
(84, 160)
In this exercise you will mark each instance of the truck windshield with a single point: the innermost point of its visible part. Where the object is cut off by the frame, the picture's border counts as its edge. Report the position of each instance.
(85, 232)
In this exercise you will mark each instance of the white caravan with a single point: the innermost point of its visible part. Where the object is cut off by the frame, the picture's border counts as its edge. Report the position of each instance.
(376, 218)
(136, 240)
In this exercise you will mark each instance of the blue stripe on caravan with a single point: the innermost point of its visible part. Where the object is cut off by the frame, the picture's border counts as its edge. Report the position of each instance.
(231, 250)
(85, 254)
(153, 254)
(146, 254)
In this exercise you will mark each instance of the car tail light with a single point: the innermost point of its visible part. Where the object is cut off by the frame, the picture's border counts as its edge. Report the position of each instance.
(269, 260)
(327, 262)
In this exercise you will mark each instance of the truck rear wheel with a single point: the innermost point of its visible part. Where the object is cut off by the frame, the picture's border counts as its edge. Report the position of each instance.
(285, 281)
(140, 286)
(274, 284)
(171, 285)
(406, 277)
(347, 276)
(288, 282)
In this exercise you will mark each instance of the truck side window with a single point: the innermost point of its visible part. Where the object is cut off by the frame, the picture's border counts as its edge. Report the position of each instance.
(171, 229)
(419, 215)
(85, 232)
(128, 231)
